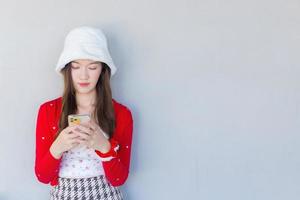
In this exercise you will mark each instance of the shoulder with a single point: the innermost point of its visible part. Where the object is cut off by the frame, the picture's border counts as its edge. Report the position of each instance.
(50, 106)
(122, 112)
(53, 102)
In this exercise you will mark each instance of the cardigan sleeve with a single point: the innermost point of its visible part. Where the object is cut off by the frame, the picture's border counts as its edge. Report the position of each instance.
(46, 166)
(117, 169)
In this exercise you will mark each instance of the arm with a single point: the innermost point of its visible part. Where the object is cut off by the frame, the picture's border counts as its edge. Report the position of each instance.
(46, 166)
(117, 169)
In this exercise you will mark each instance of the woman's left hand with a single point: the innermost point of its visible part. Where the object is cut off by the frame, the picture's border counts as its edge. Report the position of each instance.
(93, 136)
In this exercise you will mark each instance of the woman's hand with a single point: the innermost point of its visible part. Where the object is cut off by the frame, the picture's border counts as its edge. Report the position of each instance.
(93, 136)
(66, 140)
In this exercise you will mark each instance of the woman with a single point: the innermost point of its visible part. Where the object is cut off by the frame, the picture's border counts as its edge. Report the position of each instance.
(89, 160)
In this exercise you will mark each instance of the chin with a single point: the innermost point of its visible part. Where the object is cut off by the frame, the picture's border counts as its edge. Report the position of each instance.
(84, 91)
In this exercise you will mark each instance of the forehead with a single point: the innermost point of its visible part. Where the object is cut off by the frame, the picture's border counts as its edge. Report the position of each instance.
(85, 61)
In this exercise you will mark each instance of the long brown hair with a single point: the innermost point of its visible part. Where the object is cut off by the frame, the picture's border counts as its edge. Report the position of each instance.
(104, 110)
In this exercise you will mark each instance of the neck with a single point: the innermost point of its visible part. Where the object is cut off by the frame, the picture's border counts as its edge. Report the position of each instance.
(86, 100)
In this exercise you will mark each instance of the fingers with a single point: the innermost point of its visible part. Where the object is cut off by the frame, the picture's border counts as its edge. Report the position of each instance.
(77, 134)
(82, 135)
(73, 135)
(78, 129)
(90, 124)
(86, 130)
(69, 129)
(73, 143)
(83, 132)
(77, 140)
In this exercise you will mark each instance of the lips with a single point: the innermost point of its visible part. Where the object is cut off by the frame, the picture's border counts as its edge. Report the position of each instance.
(84, 84)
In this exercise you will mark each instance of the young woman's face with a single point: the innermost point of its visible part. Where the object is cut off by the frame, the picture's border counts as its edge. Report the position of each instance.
(85, 74)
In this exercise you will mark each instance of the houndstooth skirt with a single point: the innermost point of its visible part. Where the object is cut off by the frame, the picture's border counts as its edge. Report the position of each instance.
(94, 188)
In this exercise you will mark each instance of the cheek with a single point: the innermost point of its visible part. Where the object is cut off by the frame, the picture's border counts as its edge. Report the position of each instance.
(95, 76)
(73, 73)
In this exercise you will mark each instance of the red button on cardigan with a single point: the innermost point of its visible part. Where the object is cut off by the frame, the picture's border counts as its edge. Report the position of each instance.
(47, 167)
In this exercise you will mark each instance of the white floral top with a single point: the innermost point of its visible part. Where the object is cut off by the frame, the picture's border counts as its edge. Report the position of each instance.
(80, 162)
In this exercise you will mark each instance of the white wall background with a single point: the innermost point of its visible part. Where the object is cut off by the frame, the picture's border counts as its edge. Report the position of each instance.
(213, 86)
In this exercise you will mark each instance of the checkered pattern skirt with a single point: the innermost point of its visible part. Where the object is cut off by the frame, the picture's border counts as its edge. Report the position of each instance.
(94, 188)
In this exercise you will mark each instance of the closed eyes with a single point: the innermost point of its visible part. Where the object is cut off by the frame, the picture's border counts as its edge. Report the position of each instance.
(92, 68)
(77, 67)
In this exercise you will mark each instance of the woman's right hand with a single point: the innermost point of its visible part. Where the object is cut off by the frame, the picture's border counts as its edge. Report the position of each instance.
(66, 140)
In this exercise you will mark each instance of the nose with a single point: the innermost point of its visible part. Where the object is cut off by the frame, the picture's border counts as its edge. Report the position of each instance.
(84, 73)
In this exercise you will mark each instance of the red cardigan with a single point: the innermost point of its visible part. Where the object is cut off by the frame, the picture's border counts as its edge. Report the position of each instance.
(47, 167)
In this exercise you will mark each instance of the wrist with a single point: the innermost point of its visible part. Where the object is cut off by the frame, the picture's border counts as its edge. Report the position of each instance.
(112, 151)
(104, 148)
(55, 152)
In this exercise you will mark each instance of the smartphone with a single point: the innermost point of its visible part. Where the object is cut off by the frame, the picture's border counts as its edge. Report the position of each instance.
(75, 119)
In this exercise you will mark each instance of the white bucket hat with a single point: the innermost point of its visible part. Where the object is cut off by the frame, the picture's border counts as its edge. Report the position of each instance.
(85, 43)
